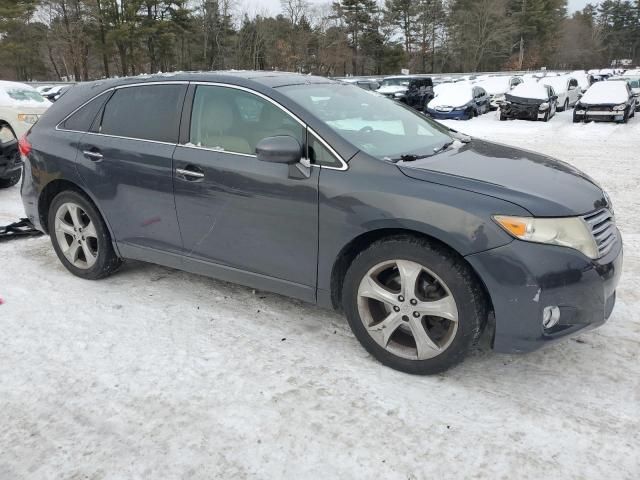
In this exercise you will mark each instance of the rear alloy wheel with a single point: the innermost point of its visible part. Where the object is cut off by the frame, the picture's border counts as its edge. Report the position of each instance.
(415, 307)
(76, 235)
(80, 237)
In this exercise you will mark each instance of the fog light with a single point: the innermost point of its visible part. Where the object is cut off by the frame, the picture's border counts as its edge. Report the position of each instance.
(550, 316)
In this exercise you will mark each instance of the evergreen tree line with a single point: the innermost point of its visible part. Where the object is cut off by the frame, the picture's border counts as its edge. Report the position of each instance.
(88, 39)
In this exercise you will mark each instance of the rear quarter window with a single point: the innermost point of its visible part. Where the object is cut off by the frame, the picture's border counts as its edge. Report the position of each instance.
(81, 120)
(148, 112)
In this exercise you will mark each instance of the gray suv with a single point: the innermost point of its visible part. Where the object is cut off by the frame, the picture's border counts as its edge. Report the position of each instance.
(331, 194)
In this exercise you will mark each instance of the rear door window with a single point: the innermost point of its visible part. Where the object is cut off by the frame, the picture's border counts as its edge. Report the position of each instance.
(148, 112)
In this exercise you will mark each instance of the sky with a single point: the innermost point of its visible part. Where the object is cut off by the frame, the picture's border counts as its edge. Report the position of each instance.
(273, 6)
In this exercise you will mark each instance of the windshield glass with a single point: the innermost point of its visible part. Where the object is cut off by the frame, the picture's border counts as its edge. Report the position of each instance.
(25, 95)
(371, 122)
(395, 82)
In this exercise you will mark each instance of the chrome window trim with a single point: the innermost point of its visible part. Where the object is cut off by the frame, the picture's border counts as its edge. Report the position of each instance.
(217, 150)
(173, 144)
(344, 165)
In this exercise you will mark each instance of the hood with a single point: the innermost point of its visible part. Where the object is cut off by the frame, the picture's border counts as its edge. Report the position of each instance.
(542, 185)
(392, 89)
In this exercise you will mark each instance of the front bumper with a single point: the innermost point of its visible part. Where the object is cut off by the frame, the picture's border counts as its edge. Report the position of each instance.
(452, 115)
(523, 278)
(521, 112)
(585, 114)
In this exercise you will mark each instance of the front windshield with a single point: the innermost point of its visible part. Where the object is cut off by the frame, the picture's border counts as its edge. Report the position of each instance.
(395, 82)
(371, 122)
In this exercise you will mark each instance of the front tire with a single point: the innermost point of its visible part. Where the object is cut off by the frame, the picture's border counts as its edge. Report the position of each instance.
(415, 306)
(80, 237)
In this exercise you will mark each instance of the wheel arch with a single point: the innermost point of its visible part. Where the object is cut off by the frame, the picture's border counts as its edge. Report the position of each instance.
(57, 186)
(349, 252)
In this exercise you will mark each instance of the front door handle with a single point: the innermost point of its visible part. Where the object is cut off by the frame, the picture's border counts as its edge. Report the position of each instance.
(190, 173)
(92, 155)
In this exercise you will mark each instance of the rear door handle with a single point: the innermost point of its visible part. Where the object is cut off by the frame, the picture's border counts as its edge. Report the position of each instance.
(92, 155)
(190, 173)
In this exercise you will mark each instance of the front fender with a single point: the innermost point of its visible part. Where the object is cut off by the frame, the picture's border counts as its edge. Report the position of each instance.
(374, 195)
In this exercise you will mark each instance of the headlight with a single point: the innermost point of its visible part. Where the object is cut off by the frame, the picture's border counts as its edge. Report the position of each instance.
(463, 107)
(544, 106)
(570, 232)
(27, 117)
(620, 107)
(399, 94)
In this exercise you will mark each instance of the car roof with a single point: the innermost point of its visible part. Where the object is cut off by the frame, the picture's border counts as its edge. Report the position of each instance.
(240, 77)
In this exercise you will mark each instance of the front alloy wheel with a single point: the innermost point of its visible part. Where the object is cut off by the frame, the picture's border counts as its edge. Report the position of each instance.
(407, 309)
(414, 305)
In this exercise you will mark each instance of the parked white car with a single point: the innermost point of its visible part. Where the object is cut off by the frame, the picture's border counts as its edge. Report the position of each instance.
(20, 106)
(567, 89)
(497, 87)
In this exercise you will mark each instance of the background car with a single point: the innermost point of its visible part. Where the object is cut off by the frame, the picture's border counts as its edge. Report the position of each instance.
(606, 101)
(460, 101)
(10, 163)
(55, 92)
(415, 91)
(633, 79)
(498, 86)
(566, 88)
(530, 101)
(365, 83)
(20, 106)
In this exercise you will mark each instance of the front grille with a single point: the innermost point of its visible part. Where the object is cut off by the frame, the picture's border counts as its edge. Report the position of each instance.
(603, 229)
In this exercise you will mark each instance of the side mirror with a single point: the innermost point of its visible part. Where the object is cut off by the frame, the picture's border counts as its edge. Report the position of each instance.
(281, 149)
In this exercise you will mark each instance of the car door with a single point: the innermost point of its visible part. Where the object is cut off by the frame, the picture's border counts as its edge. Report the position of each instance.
(574, 92)
(252, 222)
(125, 162)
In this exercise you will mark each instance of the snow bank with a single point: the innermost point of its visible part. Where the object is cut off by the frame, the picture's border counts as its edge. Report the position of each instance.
(603, 93)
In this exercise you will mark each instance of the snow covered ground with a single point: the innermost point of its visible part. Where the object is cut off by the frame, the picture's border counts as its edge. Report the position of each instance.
(155, 373)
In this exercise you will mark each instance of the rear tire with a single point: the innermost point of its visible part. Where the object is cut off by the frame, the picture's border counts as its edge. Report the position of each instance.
(416, 334)
(80, 237)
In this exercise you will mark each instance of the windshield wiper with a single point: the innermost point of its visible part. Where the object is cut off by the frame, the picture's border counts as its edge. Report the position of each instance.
(443, 147)
(408, 157)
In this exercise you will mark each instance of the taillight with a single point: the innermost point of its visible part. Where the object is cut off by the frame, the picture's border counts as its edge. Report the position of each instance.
(24, 146)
